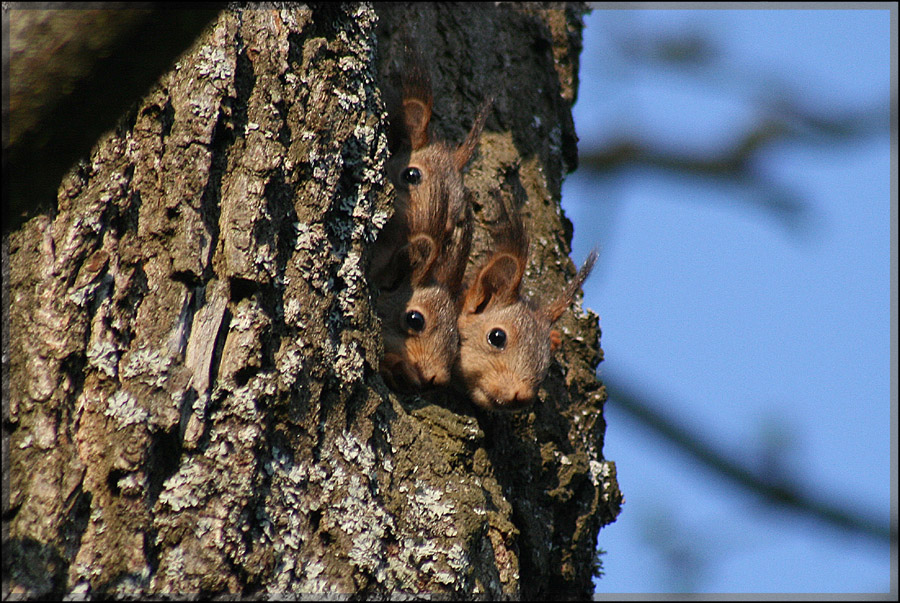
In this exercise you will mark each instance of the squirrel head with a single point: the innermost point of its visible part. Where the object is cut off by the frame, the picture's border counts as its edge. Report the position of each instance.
(428, 173)
(505, 338)
(418, 307)
(425, 172)
(420, 336)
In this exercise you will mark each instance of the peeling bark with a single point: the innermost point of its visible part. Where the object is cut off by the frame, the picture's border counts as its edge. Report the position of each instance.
(194, 402)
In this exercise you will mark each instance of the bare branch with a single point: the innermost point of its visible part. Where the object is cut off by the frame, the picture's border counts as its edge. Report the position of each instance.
(643, 408)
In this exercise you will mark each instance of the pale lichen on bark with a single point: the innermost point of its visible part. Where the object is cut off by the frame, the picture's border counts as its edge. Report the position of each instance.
(194, 352)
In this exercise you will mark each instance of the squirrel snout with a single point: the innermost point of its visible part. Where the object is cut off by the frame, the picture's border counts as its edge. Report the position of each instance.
(433, 375)
(519, 395)
(411, 376)
(510, 394)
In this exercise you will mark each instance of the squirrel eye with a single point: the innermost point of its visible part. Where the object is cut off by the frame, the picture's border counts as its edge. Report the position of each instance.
(415, 321)
(497, 338)
(411, 175)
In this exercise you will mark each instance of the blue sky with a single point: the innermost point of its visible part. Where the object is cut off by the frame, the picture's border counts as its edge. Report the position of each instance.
(748, 331)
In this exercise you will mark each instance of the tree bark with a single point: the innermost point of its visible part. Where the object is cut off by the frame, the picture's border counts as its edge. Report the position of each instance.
(70, 74)
(194, 404)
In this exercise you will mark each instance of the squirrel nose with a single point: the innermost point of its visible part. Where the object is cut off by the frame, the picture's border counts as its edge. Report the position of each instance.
(512, 394)
(520, 394)
(433, 376)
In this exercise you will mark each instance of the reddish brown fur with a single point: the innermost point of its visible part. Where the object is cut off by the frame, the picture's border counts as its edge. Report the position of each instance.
(507, 377)
(421, 254)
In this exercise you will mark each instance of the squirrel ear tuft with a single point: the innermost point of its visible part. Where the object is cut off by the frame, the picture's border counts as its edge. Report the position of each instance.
(450, 268)
(464, 152)
(554, 309)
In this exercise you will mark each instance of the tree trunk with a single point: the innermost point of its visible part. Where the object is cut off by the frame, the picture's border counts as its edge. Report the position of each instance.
(193, 395)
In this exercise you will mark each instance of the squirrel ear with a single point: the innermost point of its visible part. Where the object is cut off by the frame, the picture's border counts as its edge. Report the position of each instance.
(420, 254)
(462, 154)
(412, 261)
(416, 114)
(497, 281)
(417, 97)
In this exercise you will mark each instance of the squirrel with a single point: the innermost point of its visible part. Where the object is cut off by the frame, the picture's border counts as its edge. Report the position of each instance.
(418, 305)
(423, 172)
(505, 338)
(420, 256)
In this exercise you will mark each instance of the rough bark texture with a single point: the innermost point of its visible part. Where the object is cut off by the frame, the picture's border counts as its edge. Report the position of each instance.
(60, 62)
(193, 390)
